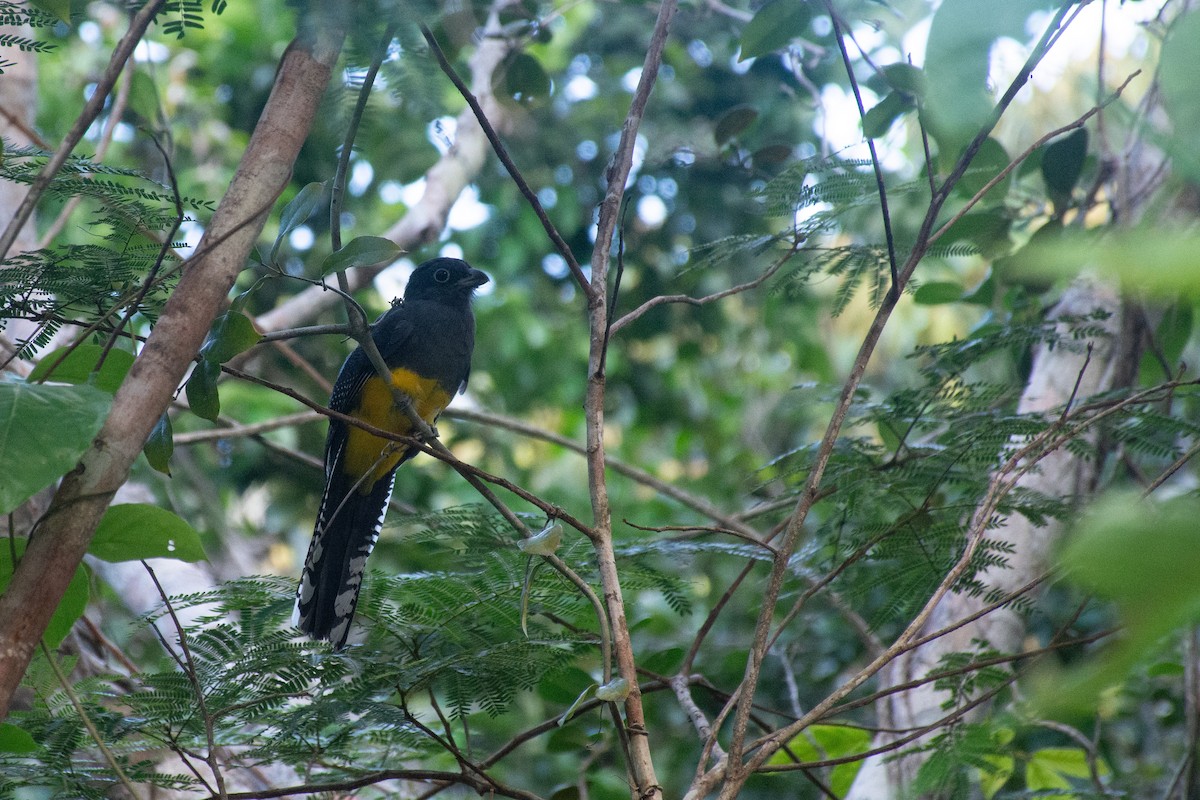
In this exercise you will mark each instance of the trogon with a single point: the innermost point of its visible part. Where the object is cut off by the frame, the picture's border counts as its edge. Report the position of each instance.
(426, 341)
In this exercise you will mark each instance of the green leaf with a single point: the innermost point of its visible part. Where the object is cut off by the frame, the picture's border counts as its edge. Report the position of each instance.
(987, 164)
(1179, 75)
(997, 772)
(664, 662)
(1062, 164)
(733, 122)
(905, 78)
(79, 366)
(522, 82)
(133, 531)
(362, 251)
(160, 445)
(1144, 556)
(773, 27)
(1149, 261)
(232, 333)
(201, 390)
(936, 293)
(957, 58)
(296, 212)
(15, 740)
(43, 432)
(878, 120)
(70, 608)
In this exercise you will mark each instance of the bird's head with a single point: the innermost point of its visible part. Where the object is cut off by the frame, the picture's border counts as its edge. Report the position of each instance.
(444, 280)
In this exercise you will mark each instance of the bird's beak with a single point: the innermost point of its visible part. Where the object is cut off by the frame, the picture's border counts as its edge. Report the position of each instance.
(475, 278)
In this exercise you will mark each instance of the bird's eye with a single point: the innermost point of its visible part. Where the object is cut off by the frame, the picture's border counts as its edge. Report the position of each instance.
(442, 275)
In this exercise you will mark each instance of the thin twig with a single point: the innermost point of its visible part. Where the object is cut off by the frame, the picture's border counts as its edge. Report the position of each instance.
(190, 670)
(653, 302)
(501, 151)
(862, 115)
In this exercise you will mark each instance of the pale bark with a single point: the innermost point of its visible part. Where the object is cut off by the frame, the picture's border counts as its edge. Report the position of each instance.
(1059, 374)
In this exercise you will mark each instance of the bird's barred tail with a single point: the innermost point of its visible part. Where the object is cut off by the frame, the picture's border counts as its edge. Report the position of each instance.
(347, 527)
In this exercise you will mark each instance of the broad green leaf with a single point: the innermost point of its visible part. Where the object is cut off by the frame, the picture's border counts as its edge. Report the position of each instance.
(133, 531)
(43, 432)
(1042, 777)
(1153, 262)
(522, 82)
(201, 389)
(232, 333)
(70, 608)
(1144, 556)
(1069, 761)
(15, 740)
(362, 251)
(733, 122)
(938, 292)
(296, 212)
(987, 230)
(878, 119)
(664, 662)
(993, 777)
(79, 366)
(957, 59)
(160, 445)
(905, 78)
(1062, 164)
(1179, 75)
(773, 26)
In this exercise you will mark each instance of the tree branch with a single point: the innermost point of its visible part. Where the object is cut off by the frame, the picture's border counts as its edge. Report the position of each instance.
(40, 580)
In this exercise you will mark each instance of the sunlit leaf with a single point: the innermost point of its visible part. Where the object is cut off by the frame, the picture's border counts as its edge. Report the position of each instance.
(78, 365)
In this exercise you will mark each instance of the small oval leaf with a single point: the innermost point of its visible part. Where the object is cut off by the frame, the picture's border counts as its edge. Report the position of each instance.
(733, 122)
(232, 333)
(362, 251)
(201, 390)
(160, 445)
(296, 212)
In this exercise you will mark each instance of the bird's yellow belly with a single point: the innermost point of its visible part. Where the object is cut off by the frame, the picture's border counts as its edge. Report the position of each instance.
(365, 452)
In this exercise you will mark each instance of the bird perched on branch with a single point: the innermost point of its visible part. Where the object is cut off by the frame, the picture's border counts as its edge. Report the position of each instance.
(426, 342)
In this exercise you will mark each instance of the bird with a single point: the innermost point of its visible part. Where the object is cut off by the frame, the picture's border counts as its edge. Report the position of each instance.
(426, 340)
